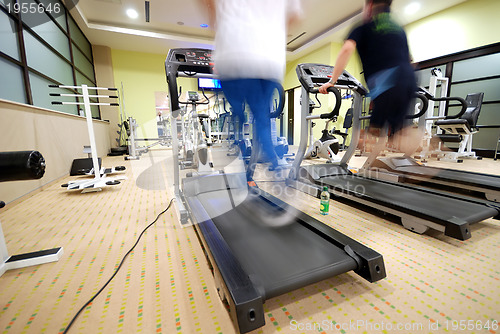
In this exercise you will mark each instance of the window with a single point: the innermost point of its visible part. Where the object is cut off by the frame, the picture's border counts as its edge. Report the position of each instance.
(40, 48)
(9, 45)
(12, 89)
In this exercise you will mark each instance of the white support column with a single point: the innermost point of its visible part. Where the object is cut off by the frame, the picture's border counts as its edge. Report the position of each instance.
(90, 125)
(434, 82)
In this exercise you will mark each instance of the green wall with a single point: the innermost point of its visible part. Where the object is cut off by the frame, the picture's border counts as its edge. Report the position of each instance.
(143, 74)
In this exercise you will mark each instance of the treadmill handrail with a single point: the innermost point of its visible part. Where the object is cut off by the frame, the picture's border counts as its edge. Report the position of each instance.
(459, 99)
(338, 102)
(423, 110)
(423, 94)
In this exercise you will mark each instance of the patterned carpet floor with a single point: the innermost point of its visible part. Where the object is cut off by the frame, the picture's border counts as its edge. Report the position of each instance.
(434, 284)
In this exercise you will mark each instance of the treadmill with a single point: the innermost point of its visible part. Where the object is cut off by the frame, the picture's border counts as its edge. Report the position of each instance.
(407, 170)
(253, 261)
(418, 208)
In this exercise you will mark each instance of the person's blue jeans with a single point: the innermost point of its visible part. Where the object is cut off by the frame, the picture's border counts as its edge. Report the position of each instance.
(257, 93)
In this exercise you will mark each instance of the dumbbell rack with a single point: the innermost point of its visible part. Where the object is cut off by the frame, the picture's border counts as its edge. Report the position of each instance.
(100, 180)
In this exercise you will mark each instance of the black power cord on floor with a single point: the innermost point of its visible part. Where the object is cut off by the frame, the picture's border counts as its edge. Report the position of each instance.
(117, 269)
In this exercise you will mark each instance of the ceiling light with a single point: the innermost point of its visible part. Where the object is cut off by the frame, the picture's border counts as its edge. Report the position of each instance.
(146, 10)
(204, 25)
(132, 13)
(412, 8)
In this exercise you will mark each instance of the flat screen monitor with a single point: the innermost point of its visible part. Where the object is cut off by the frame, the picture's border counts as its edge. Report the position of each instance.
(208, 83)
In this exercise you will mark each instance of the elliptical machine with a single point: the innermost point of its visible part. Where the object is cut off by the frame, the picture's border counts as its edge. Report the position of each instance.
(239, 138)
(195, 130)
(328, 146)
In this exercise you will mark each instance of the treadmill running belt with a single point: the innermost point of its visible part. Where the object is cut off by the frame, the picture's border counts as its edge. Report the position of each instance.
(417, 202)
(282, 259)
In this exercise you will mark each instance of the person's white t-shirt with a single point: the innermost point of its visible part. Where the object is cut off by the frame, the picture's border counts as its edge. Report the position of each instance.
(250, 38)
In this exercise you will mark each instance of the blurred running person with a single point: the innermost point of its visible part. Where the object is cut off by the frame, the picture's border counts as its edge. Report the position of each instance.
(250, 59)
(383, 49)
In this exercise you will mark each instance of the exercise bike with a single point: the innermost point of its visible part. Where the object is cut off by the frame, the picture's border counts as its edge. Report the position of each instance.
(328, 146)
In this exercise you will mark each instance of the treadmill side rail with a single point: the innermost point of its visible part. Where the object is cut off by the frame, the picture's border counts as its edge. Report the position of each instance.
(458, 229)
(181, 210)
(234, 286)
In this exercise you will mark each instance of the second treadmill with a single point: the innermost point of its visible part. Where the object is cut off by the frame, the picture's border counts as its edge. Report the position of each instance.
(419, 209)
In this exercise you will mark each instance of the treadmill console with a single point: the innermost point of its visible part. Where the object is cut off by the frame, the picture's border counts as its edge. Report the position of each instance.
(190, 60)
(311, 76)
(187, 63)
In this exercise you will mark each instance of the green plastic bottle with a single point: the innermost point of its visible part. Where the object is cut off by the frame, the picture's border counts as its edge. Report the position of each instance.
(324, 206)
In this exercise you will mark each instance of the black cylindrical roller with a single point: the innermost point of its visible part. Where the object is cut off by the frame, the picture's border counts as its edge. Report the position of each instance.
(21, 165)
(450, 138)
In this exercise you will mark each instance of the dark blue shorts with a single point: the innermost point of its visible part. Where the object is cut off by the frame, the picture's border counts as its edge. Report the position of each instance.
(391, 107)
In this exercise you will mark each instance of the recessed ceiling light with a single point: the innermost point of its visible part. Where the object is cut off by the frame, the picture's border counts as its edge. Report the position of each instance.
(180, 23)
(132, 13)
(204, 25)
(412, 8)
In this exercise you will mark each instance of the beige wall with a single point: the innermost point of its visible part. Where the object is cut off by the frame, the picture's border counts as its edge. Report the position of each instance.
(103, 67)
(59, 137)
